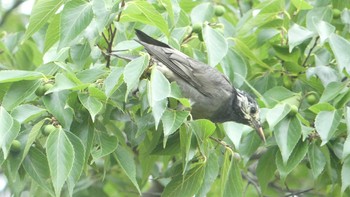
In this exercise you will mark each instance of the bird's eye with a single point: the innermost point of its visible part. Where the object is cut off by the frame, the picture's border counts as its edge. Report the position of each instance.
(253, 110)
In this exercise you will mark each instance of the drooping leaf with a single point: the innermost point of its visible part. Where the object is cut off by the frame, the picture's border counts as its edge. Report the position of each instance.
(18, 75)
(60, 156)
(18, 92)
(340, 46)
(326, 123)
(143, 11)
(127, 163)
(112, 82)
(9, 129)
(266, 168)
(106, 145)
(287, 134)
(37, 167)
(41, 13)
(26, 112)
(55, 103)
(133, 71)
(295, 158)
(92, 104)
(202, 128)
(216, 45)
(297, 35)
(172, 120)
(76, 16)
(345, 179)
(234, 131)
(317, 160)
(187, 184)
(231, 180)
(79, 161)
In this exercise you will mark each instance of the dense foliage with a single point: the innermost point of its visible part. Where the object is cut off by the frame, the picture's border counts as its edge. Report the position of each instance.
(76, 120)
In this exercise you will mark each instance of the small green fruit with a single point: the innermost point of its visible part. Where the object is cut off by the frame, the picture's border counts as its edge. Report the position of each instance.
(219, 10)
(311, 99)
(15, 146)
(47, 129)
(197, 28)
(287, 83)
(293, 110)
(200, 36)
(336, 13)
(48, 86)
(40, 91)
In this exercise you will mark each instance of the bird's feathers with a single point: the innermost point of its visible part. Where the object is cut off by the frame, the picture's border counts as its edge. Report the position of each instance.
(192, 71)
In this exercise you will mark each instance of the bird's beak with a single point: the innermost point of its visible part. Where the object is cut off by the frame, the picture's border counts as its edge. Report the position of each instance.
(259, 129)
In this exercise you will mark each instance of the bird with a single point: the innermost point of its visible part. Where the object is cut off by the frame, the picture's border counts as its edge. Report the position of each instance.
(211, 94)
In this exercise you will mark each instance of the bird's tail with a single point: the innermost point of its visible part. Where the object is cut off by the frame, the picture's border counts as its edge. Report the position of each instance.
(149, 40)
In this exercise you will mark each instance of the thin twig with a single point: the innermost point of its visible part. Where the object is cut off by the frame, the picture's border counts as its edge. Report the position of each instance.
(310, 51)
(121, 10)
(187, 38)
(240, 8)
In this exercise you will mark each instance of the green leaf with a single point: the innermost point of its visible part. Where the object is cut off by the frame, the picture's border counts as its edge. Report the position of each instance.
(276, 114)
(76, 16)
(112, 82)
(18, 75)
(9, 129)
(231, 180)
(297, 35)
(233, 64)
(346, 148)
(331, 91)
(159, 90)
(127, 163)
(26, 112)
(65, 81)
(60, 155)
(187, 184)
(53, 32)
(326, 123)
(106, 145)
(133, 71)
(345, 171)
(317, 160)
(301, 4)
(144, 12)
(280, 94)
(41, 13)
(185, 145)
(317, 108)
(55, 103)
(295, 158)
(287, 134)
(202, 12)
(80, 53)
(172, 120)
(211, 172)
(245, 50)
(202, 128)
(18, 92)
(325, 30)
(216, 45)
(160, 86)
(79, 161)
(32, 136)
(37, 167)
(340, 46)
(234, 131)
(92, 104)
(265, 171)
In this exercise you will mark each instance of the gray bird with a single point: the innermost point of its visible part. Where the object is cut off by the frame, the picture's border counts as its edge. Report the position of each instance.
(211, 94)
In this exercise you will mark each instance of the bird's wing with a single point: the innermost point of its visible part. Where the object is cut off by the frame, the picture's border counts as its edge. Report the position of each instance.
(197, 74)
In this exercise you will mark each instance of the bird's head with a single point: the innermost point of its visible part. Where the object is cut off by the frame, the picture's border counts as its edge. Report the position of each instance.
(249, 112)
